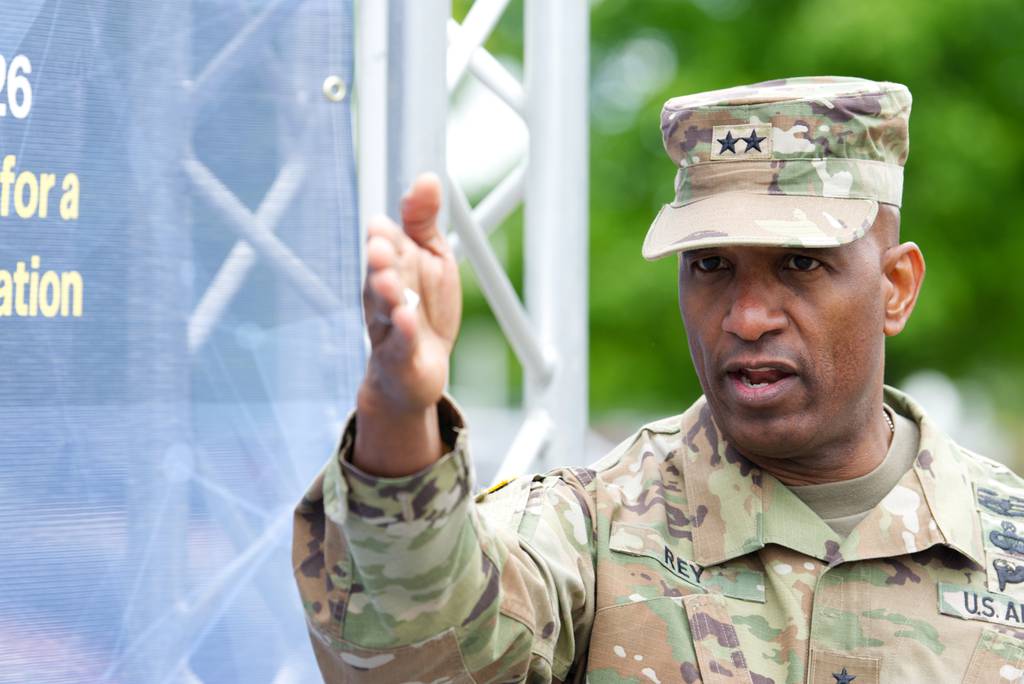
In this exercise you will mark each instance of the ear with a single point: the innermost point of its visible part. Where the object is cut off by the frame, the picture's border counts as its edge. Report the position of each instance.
(903, 270)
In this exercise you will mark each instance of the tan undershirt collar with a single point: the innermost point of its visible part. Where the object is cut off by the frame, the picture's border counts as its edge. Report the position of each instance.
(844, 504)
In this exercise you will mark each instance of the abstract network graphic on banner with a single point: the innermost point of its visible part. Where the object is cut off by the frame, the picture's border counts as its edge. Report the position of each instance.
(179, 328)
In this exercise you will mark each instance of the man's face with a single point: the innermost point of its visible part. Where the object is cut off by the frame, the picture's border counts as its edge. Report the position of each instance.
(788, 344)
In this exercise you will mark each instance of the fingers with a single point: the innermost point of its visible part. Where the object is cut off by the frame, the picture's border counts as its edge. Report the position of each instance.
(404, 320)
(393, 262)
(388, 314)
(387, 287)
(380, 253)
(383, 227)
(420, 206)
(383, 284)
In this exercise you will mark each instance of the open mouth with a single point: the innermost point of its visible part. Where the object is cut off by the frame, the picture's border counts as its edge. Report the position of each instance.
(760, 383)
(759, 377)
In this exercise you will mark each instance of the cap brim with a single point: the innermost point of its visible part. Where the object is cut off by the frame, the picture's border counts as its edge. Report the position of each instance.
(740, 218)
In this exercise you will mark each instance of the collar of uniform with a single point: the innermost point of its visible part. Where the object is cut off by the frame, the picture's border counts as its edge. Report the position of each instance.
(944, 480)
(735, 508)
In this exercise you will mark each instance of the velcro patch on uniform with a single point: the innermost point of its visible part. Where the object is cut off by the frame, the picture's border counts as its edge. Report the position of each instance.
(970, 603)
(741, 142)
(842, 668)
(1003, 502)
(1003, 536)
(1005, 574)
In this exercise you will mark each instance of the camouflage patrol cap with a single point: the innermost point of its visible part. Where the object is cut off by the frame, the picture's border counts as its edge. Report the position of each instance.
(797, 162)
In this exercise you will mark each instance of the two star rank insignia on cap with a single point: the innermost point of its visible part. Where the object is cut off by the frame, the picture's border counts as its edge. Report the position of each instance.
(728, 143)
(756, 145)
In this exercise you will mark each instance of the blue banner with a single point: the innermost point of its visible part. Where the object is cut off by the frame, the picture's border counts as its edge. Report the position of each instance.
(181, 329)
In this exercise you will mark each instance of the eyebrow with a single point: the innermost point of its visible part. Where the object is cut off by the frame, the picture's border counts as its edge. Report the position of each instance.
(693, 253)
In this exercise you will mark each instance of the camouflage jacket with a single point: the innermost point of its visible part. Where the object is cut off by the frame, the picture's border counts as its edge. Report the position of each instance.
(673, 559)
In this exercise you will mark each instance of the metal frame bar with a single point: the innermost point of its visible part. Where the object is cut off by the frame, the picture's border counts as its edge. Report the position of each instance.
(371, 108)
(556, 36)
(417, 94)
(490, 72)
(497, 206)
(225, 61)
(534, 435)
(253, 230)
(497, 288)
(233, 271)
(480, 21)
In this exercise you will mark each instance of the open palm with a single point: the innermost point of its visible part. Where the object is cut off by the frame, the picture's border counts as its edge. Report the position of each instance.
(411, 341)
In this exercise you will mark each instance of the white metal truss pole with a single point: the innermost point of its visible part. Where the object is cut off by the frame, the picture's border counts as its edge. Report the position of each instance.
(498, 290)
(371, 96)
(371, 120)
(417, 94)
(556, 36)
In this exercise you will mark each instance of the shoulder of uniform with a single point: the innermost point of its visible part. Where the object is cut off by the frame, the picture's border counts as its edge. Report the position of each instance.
(517, 506)
(509, 489)
(663, 426)
(664, 431)
(660, 436)
(513, 493)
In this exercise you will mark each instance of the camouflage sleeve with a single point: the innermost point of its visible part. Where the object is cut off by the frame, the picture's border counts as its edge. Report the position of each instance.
(412, 579)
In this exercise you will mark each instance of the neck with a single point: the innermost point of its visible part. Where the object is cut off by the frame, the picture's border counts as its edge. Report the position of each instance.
(858, 453)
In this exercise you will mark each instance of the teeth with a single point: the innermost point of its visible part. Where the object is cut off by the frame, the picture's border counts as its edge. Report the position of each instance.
(746, 381)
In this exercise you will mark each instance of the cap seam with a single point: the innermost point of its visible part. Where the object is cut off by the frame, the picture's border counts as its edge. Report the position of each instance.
(792, 159)
(870, 91)
(673, 205)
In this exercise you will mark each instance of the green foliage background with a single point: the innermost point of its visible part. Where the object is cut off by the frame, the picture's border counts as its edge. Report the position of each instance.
(964, 64)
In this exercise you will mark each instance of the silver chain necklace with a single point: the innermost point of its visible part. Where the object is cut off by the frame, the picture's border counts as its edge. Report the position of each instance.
(888, 421)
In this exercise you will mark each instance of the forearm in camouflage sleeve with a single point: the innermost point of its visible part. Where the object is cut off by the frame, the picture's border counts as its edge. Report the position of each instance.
(407, 579)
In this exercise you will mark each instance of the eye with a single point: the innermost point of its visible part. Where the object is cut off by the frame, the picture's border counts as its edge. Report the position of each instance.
(801, 262)
(709, 264)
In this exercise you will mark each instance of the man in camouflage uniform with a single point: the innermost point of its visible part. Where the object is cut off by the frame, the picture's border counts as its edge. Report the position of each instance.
(798, 523)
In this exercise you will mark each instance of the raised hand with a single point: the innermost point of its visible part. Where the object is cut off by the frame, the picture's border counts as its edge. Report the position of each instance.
(413, 303)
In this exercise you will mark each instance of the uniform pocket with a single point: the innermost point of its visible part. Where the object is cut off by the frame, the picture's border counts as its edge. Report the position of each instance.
(662, 617)
(436, 659)
(669, 639)
(642, 641)
(997, 657)
(715, 641)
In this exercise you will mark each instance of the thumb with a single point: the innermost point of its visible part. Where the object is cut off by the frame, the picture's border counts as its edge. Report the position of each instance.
(420, 207)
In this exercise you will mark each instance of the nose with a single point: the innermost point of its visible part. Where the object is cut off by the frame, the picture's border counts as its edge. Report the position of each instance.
(755, 312)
